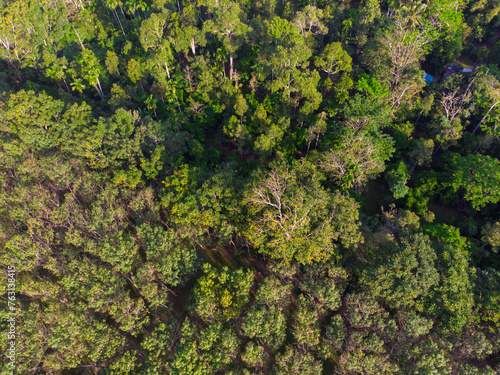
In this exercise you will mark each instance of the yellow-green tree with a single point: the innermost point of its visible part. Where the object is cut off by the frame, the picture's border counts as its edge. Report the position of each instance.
(292, 217)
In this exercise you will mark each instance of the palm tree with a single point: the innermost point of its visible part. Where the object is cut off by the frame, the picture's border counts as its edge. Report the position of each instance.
(113, 4)
(90, 70)
(135, 5)
(78, 85)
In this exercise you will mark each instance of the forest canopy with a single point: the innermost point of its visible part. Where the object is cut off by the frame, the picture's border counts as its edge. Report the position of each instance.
(198, 187)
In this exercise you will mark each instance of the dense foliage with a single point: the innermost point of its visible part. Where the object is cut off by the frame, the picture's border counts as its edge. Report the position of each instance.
(251, 187)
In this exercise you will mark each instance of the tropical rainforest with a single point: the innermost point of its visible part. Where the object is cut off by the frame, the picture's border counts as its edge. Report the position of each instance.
(250, 187)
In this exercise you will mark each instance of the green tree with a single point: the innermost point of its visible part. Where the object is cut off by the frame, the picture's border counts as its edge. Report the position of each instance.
(202, 204)
(409, 277)
(324, 284)
(305, 326)
(230, 23)
(266, 324)
(491, 235)
(135, 71)
(395, 55)
(487, 90)
(452, 301)
(292, 217)
(255, 355)
(186, 34)
(55, 68)
(477, 175)
(285, 53)
(487, 296)
(333, 337)
(152, 38)
(356, 158)
(397, 178)
(206, 351)
(89, 69)
(333, 60)
(273, 292)
(370, 326)
(112, 63)
(171, 260)
(309, 21)
(221, 294)
(44, 124)
(295, 361)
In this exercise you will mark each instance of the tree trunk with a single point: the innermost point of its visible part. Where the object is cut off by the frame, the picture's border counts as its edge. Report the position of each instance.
(100, 88)
(168, 71)
(118, 20)
(193, 46)
(98, 91)
(413, 168)
(78, 36)
(124, 16)
(486, 115)
(11, 63)
(437, 149)
(231, 66)
(65, 84)
(105, 7)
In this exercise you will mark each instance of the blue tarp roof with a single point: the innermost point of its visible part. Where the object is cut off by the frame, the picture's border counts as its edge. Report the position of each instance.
(428, 78)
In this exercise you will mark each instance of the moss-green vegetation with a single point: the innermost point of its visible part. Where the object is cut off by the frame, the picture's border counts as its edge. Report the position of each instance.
(250, 187)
